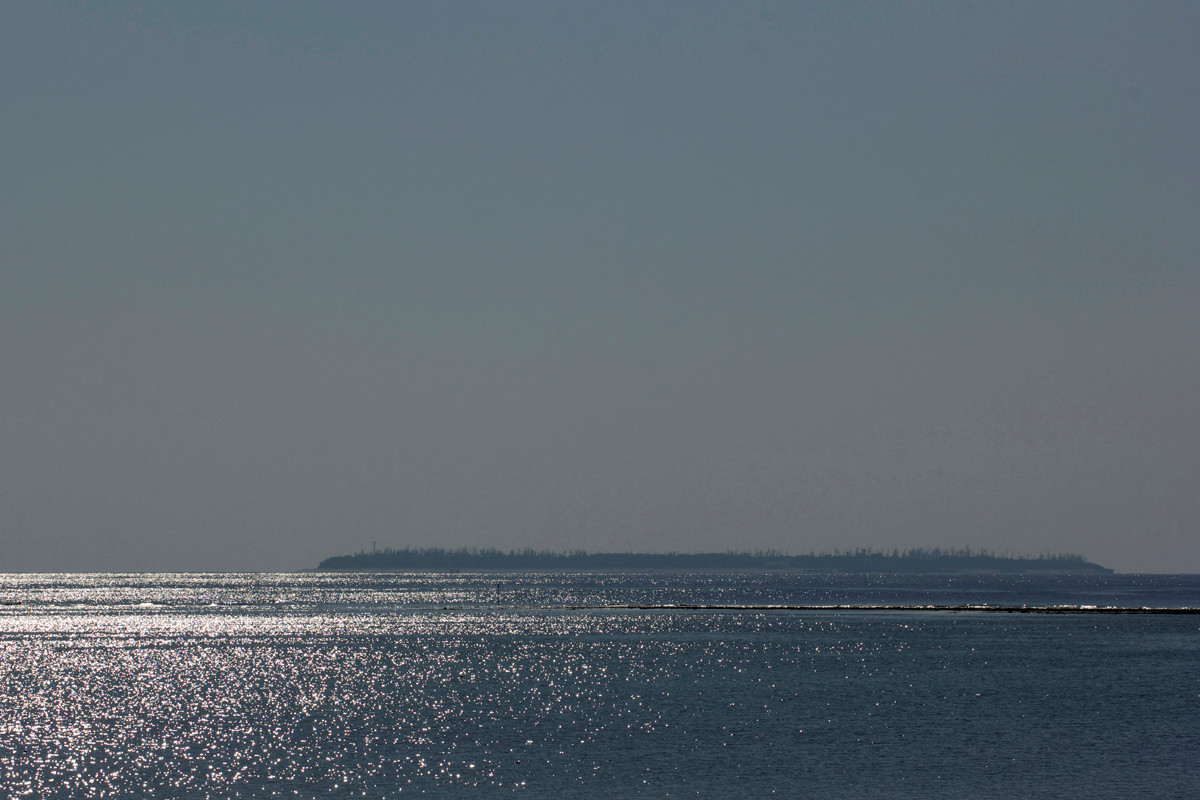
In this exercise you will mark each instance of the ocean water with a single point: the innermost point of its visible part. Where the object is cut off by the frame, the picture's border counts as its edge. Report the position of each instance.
(597, 686)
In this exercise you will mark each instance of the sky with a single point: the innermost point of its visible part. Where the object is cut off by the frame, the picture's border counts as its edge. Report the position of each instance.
(285, 280)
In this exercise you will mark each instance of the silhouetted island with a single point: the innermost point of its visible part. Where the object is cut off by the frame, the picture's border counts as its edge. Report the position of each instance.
(914, 561)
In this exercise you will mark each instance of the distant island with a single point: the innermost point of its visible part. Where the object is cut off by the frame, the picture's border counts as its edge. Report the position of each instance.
(914, 561)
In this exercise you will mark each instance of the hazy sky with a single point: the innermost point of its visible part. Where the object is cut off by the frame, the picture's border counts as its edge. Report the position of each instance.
(280, 279)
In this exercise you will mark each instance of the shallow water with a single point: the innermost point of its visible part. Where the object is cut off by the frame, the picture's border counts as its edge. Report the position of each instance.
(355, 685)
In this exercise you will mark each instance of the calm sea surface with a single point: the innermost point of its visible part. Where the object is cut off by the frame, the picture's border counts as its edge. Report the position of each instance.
(482, 685)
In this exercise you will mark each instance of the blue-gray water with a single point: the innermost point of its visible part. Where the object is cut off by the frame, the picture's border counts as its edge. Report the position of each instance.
(325, 685)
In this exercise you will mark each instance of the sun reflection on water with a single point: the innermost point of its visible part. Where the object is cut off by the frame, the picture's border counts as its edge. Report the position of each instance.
(102, 696)
(155, 703)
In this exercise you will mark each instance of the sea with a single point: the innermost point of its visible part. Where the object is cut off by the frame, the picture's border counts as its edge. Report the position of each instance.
(599, 685)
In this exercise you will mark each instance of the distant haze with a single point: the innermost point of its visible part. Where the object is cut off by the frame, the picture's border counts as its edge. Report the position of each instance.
(282, 279)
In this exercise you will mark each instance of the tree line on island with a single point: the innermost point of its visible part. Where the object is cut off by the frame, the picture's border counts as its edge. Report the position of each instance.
(916, 560)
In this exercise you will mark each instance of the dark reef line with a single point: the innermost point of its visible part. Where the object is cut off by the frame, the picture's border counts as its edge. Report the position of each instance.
(984, 609)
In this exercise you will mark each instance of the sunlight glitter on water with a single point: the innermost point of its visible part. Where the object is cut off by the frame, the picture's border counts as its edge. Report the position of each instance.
(253, 702)
(221, 701)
